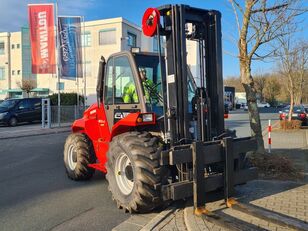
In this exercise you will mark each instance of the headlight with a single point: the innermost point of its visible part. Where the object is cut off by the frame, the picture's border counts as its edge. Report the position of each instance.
(147, 117)
(2, 115)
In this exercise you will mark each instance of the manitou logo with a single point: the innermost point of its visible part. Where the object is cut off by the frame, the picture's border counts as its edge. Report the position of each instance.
(43, 36)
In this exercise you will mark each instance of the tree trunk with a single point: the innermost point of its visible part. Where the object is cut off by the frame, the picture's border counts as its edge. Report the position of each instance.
(291, 106)
(254, 117)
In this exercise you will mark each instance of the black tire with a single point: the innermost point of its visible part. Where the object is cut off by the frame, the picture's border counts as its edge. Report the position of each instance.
(12, 122)
(143, 152)
(82, 155)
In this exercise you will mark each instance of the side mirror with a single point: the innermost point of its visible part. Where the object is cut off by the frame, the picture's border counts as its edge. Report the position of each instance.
(100, 80)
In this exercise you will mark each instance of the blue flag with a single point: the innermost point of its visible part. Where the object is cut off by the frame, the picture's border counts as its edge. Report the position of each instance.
(70, 51)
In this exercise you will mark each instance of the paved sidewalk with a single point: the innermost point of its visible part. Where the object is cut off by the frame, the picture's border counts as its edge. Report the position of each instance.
(283, 197)
(30, 130)
(297, 139)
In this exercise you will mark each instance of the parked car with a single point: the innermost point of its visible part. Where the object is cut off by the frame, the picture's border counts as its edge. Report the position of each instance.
(281, 105)
(13, 111)
(306, 110)
(299, 113)
(264, 104)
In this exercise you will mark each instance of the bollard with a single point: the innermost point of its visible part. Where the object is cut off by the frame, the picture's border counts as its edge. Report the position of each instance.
(269, 136)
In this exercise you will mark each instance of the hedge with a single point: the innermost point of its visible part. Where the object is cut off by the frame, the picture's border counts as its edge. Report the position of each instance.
(66, 99)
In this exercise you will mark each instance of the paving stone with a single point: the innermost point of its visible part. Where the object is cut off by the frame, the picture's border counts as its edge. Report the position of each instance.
(125, 226)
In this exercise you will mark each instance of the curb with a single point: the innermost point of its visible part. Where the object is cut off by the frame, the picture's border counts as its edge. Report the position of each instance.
(146, 222)
(189, 219)
(37, 133)
(161, 219)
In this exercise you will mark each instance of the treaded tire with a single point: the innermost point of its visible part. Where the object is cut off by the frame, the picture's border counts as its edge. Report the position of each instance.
(12, 122)
(85, 155)
(143, 151)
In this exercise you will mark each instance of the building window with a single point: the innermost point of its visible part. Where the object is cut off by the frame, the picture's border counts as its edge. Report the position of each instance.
(107, 36)
(86, 39)
(132, 39)
(18, 72)
(155, 44)
(13, 46)
(2, 73)
(13, 72)
(18, 46)
(1, 48)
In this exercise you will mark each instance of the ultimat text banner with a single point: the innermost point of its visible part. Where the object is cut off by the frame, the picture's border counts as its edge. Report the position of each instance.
(41, 23)
(70, 51)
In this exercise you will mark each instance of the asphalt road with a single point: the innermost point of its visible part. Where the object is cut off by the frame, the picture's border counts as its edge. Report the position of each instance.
(36, 194)
(239, 120)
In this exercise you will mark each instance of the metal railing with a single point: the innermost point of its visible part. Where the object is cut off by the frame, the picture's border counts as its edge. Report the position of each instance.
(59, 116)
(68, 114)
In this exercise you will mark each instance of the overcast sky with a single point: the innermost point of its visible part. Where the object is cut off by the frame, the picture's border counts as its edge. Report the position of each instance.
(14, 15)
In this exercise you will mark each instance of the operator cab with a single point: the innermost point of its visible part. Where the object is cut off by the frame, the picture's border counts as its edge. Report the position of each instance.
(132, 83)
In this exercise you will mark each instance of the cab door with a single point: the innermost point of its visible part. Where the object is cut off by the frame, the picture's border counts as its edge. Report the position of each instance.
(121, 93)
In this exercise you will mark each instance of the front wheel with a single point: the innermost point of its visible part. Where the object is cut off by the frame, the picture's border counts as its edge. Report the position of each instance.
(134, 173)
(78, 154)
(13, 122)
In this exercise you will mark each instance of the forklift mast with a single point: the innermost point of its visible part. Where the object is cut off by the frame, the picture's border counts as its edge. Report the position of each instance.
(179, 23)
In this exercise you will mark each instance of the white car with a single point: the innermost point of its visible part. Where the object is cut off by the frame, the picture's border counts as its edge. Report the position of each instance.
(263, 104)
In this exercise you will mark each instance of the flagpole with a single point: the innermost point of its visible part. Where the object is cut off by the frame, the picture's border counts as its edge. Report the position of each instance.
(85, 66)
(57, 68)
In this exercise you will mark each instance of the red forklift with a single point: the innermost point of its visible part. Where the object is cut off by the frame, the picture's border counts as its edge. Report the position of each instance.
(156, 135)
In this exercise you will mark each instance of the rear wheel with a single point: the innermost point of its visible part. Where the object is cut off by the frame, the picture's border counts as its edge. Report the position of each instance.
(13, 122)
(78, 153)
(134, 173)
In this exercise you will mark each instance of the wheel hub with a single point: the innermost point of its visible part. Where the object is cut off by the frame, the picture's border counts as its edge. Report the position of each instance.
(129, 172)
(72, 157)
(124, 173)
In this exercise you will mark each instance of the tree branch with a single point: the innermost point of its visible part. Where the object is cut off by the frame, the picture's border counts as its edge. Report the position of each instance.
(269, 9)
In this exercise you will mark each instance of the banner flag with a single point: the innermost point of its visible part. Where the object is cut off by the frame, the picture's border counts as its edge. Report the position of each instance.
(42, 39)
(70, 50)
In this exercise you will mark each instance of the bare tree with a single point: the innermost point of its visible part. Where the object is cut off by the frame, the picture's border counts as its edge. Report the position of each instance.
(234, 82)
(293, 60)
(27, 85)
(272, 89)
(260, 81)
(258, 23)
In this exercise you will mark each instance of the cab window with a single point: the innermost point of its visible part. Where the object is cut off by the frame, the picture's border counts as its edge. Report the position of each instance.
(109, 83)
(125, 91)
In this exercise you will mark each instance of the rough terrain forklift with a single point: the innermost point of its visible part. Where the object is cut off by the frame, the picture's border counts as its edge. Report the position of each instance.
(156, 135)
